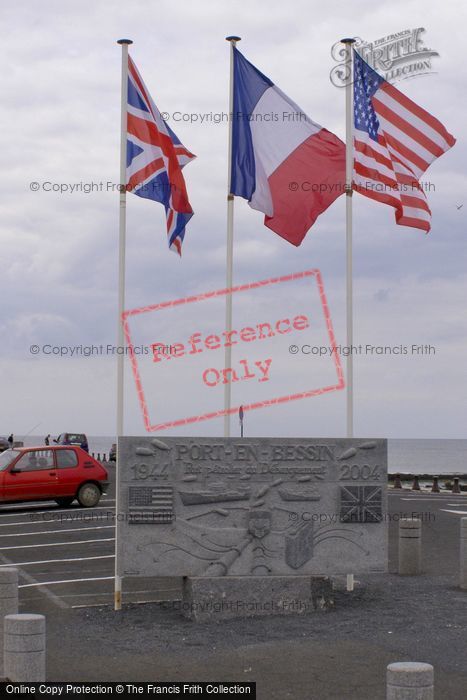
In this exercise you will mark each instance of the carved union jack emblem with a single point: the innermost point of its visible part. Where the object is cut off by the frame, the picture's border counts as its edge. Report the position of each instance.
(361, 504)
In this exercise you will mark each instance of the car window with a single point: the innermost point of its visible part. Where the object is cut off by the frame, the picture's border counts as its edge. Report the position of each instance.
(7, 457)
(34, 460)
(76, 437)
(66, 459)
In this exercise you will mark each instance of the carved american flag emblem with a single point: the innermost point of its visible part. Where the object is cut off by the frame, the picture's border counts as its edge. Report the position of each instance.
(150, 504)
(361, 504)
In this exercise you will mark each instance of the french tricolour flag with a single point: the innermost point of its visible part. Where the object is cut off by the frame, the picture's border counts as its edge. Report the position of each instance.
(283, 163)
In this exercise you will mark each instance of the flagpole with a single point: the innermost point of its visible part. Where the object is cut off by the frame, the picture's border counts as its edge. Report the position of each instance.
(348, 226)
(229, 267)
(124, 43)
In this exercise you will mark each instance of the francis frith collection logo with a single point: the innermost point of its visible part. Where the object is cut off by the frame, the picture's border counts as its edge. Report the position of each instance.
(395, 57)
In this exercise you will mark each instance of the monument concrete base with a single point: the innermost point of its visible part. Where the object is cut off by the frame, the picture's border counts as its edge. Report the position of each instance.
(213, 599)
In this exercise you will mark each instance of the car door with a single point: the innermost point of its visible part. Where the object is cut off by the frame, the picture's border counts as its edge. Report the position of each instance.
(7, 458)
(32, 477)
(68, 471)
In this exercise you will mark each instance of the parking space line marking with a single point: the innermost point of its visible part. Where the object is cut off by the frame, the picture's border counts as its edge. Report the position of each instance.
(57, 544)
(133, 602)
(427, 498)
(70, 580)
(409, 494)
(53, 532)
(93, 605)
(55, 521)
(57, 561)
(28, 513)
(109, 595)
(27, 577)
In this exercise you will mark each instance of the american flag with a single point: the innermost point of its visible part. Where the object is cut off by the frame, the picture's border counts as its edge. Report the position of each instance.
(155, 158)
(151, 504)
(395, 141)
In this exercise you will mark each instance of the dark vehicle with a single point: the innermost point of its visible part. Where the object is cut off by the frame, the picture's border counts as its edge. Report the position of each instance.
(113, 453)
(4, 444)
(79, 439)
(51, 473)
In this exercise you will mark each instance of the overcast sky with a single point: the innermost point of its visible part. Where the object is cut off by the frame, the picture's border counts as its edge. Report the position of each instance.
(61, 121)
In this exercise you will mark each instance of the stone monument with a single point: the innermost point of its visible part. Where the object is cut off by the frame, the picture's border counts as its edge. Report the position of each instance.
(234, 509)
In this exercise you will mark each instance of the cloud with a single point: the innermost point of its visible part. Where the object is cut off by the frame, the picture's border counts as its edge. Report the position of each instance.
(58, 282)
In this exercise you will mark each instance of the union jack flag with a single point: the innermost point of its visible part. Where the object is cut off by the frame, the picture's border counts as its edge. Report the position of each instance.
(361, 504)
(155, 158)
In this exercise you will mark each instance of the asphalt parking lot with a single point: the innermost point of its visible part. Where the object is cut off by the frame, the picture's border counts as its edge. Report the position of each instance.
(66, 555)
(65, 558)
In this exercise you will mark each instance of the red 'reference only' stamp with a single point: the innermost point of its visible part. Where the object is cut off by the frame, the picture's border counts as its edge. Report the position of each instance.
(177, 364)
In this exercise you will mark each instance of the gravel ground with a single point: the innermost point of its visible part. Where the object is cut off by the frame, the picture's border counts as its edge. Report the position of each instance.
(340, 654)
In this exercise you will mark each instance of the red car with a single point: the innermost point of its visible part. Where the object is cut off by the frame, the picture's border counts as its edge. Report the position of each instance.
(51, 473)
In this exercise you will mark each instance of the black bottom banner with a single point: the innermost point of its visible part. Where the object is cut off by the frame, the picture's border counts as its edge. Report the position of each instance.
(137, 690)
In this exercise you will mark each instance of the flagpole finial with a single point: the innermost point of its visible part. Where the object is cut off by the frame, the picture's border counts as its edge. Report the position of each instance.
(348, 40)
(125, 41)
(233, 39)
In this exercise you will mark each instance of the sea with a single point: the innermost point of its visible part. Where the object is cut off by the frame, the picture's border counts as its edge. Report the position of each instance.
(413, 456)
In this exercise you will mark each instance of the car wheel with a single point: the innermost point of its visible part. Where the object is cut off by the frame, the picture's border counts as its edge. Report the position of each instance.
(65, 501)
(88, 495)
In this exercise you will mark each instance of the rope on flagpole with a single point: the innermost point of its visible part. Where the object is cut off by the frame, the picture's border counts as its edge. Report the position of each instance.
(229, 263)
(121, 305)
